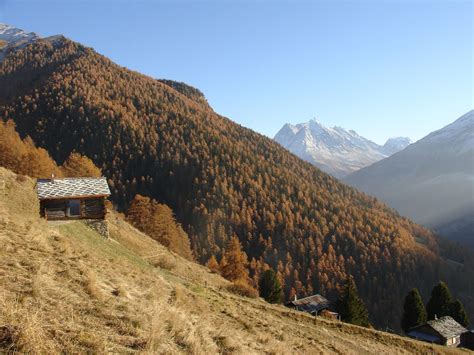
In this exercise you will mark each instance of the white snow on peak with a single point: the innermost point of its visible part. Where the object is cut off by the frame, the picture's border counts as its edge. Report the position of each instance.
(335, 150)
(458, 137)
(396, 144)
(430, 181)
(12, 37)
(12, 34)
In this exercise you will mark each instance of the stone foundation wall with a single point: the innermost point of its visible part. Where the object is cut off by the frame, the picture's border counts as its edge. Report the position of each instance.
(100, 226)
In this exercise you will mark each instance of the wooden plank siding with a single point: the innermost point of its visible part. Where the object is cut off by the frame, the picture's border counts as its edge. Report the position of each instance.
(58, 209)
(93, 208)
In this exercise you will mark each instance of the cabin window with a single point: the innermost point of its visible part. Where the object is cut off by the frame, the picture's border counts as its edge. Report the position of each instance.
(74, 208)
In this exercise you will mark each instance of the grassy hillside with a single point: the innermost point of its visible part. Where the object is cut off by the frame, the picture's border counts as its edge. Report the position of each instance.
(160, 139)
(62, 287)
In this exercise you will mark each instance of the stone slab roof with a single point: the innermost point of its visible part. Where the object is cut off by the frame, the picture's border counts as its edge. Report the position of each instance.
(447, 327)
(72, 187)
(310, 304)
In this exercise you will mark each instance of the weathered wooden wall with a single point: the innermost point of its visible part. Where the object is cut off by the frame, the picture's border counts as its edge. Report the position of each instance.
(54, 209)
(91, 208)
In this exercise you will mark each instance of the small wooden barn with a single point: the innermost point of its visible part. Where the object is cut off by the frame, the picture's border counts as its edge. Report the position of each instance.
(73, 198)
(444, 331)
(316, 305)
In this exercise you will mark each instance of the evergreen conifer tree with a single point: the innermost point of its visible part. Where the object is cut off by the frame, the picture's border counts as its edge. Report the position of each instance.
(459, 314)
(350, 307)
(270, 287)
(439, 304)
(414, 312)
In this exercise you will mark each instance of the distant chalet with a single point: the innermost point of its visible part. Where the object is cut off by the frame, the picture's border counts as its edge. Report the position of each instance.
(73, 198)
(444, 331)
(316, 305)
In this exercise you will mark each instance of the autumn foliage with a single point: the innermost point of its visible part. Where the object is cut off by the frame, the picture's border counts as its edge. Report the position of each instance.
(234, 264)
(80, 166)
(22, 156)
(234, 267)
(157, 220)
(212, 264)
(161, 139)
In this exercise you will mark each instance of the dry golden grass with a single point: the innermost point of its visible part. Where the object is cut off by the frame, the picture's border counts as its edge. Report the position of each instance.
(242, 289)
(65, 289)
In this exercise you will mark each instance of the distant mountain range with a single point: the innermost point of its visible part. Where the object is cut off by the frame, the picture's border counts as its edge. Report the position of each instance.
(335, 150)
(431, 181)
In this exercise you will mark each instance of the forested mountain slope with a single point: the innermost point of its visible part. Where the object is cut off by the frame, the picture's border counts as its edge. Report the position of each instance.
(220, 178)
(129, 294)
(432, 181)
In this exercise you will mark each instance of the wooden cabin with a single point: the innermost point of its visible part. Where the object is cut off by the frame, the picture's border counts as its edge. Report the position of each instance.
(73, 198)
(316, 305)
(443, 331)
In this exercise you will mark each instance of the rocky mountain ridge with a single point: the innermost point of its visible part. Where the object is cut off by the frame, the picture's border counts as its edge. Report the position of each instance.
(335, 150)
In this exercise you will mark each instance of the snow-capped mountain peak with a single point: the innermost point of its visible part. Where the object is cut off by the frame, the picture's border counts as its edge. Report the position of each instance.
(431, 181)
(396, 144)
(14, 38)
(460, 134)
(335, 150)
(12, 35)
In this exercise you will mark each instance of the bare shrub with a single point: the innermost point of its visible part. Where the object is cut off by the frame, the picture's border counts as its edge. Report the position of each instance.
(23, 331)
(242, 288)
(226, 344)
(42, 282)
(91, 286)
(8, 338)
(21, 178)
(172, 330)
(92, 341)
(165, 262)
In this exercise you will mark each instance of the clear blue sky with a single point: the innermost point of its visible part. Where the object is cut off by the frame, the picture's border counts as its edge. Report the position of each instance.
(383, 68)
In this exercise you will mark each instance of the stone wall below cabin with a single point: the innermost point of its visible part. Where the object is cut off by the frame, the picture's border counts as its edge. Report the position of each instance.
(100, 226)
